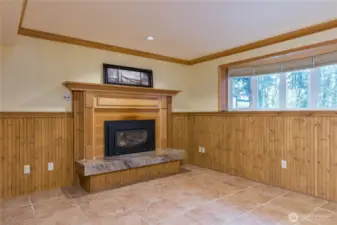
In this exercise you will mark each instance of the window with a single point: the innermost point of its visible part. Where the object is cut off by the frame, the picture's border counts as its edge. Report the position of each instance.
(327, 87)
(241, 92)
(268, 91)
(297, 89)
(306, 83)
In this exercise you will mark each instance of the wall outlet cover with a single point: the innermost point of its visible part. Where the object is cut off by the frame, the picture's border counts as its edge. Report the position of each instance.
(26, 169)
(50, 166)
(284, 164)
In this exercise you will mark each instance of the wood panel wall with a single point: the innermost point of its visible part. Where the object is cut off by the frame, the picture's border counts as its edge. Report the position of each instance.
(35, 139)
(253, 144)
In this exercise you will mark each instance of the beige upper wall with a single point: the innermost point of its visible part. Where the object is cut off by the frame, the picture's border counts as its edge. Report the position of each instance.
(203, 91)
(34, 70)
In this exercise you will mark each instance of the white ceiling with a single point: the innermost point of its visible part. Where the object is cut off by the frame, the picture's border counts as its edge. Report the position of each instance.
(10, 12)
(183, 29)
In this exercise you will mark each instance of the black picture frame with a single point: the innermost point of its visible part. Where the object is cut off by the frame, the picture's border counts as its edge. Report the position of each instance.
(113, 74)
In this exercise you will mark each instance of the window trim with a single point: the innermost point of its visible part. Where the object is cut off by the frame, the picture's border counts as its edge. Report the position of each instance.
(278, 57)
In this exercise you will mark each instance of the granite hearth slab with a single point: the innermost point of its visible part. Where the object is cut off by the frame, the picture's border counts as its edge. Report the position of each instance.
(124, 162)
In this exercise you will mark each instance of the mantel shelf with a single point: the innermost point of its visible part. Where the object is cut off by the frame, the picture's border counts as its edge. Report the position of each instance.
(93, 87)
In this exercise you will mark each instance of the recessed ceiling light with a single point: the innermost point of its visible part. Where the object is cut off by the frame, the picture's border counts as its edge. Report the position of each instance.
(149, 38)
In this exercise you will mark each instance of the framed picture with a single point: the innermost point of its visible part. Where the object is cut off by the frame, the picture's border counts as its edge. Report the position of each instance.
(123, 75)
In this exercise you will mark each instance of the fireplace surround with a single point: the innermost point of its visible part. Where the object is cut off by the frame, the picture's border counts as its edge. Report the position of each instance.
(95, 106)
(129, 136)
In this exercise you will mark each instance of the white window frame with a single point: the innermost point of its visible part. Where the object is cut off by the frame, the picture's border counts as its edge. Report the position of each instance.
(313, 94)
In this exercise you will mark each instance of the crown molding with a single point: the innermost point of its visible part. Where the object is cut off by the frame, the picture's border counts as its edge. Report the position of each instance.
(243, 48)
(269, 41)
(91, 44)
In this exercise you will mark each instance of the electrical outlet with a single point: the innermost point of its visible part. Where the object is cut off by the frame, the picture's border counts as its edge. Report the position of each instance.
(67, 97)
(200, 149)
(26, 169)
(284, 164)
(203, 150)
(50, 166)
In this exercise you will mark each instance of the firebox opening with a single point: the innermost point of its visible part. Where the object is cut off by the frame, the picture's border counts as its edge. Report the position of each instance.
(129, 136)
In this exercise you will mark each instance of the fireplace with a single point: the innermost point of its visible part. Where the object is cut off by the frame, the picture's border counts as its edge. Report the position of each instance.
(129, 136)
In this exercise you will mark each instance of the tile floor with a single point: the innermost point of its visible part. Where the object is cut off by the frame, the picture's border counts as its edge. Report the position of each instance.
(200, 196)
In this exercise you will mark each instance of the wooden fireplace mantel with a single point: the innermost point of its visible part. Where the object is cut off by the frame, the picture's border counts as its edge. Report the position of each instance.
(95, 103)
(79, 86)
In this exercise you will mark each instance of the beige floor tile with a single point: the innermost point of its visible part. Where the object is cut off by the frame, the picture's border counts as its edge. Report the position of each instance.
(133, 200)
(160, 210)
(224, 188)
(275, 191)
(203, 179)
(269, 214)
(304, 198)
(49, 207)
(244, 201)
(189, 200)
(102, 207)
(200, 197)
(181, 219)
(288, 206)
(244, 220)
(21, 222)
(279, 210)
(120, 219)
(217, 212)
(46, 195)
(258, 195)
(331, 206)
(306, 222)
(293, 205)
(68, 216)
(17, 215)
(323, 217)
(14, 202)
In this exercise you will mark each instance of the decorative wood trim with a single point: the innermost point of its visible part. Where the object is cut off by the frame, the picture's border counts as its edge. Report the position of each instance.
(91, 44)
(302, 48)
(34, 114)
(269, 41)
(169, 123)
(79, 86)
(254, 45)
(222, 89)
(23, 11)
(104, 102)
(262, 113)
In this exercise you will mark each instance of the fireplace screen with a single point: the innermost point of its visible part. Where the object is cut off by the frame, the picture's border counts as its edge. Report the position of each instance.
(130, 138)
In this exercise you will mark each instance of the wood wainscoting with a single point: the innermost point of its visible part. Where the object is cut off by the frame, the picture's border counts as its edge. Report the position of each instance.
(35, 139)
(252, 145)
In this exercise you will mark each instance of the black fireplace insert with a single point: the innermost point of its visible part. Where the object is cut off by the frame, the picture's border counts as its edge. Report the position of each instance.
(129, 136)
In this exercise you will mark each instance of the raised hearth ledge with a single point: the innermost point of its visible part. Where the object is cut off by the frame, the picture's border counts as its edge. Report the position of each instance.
(123, 162)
